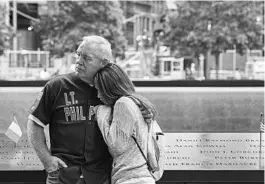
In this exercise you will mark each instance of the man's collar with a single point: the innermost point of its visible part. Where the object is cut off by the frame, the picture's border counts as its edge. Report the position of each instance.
(79, 80)
(91, 85)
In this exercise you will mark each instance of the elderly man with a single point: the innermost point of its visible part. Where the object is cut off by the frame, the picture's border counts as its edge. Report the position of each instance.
(78, 152)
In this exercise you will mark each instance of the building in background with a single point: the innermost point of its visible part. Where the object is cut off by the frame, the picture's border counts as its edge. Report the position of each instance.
(26, 11)
(142, 17)
(24, 60)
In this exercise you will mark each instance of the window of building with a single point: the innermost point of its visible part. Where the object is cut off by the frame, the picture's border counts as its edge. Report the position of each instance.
(167, 66)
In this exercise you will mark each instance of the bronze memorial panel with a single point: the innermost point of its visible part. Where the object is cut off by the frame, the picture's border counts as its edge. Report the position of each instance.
(185, 151)
(214, 151)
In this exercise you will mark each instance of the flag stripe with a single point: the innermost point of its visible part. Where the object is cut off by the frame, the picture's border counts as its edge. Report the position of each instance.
(12, 135)
(14, 131)
(15, 128)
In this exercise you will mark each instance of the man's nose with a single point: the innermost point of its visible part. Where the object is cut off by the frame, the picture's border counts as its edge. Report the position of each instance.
(78, 60)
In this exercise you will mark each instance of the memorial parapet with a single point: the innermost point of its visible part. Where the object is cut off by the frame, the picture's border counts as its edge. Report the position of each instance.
(184, 151)
(192, 119)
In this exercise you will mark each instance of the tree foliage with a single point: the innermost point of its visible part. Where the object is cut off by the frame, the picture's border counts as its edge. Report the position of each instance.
(66, 22)
(201, 26)
(217, 25)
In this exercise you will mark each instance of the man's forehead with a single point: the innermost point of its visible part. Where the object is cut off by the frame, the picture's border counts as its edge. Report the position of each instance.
(86, 49)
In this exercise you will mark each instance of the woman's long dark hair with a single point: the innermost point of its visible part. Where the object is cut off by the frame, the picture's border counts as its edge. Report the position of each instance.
(113, 83)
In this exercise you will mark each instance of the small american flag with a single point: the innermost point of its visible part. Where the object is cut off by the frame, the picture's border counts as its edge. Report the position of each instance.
(262, 125)
(14, 131)
(261, 139)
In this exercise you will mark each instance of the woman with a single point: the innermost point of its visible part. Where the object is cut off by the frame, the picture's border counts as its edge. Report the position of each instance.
(119, 121)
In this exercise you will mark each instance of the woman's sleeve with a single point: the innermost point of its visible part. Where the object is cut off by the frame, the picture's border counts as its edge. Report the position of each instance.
(117, 134)
(103, 115)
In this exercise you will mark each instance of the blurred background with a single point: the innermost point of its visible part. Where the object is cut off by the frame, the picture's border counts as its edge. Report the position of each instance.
(154, 40)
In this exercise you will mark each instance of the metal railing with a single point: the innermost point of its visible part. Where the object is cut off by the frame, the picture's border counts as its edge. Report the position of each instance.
(23, 64)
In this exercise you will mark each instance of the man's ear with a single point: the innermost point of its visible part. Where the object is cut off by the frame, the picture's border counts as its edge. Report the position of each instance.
(104, 62)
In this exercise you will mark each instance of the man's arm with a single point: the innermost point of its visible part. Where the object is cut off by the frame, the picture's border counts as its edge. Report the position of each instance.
(37, 139)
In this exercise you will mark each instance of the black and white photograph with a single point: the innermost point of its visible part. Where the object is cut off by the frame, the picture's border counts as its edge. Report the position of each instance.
(132, 92)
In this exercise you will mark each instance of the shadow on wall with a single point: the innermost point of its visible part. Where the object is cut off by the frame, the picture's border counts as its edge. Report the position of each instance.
(191, 111)
(188, 111)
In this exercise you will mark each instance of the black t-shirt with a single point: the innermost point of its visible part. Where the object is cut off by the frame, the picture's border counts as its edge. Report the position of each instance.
(66, 104)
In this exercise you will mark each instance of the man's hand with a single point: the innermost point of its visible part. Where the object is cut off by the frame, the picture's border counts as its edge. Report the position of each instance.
(55, 163)
(147, 114)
